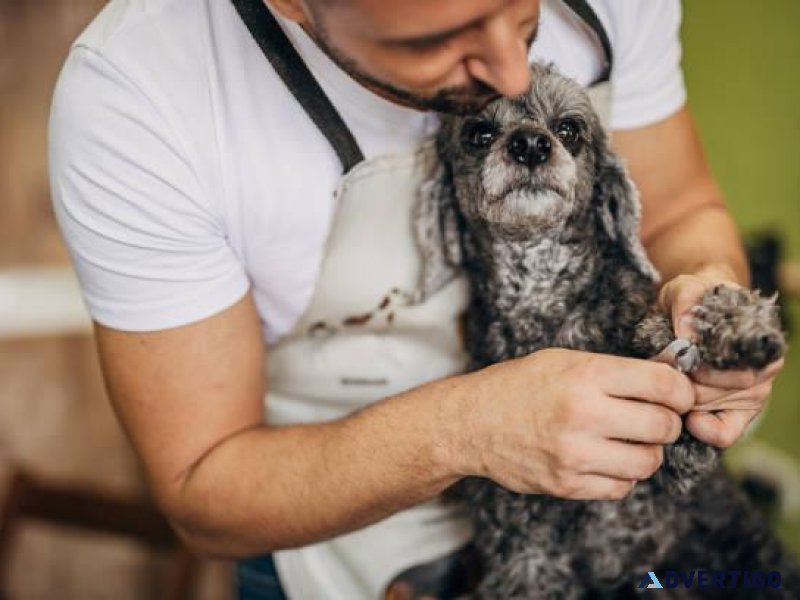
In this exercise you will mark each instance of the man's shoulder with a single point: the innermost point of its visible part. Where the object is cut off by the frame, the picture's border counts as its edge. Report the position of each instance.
(122, 21)
(161, 46)
(623, 19)
(155, 50)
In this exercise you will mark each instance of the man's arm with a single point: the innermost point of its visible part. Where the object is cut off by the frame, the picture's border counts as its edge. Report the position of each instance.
(191, 401)
(686, 226)
(693, 241)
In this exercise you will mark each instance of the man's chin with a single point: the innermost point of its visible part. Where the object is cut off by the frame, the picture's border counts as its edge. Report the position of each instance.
(449, 101)
(460, 105)
(452, 100)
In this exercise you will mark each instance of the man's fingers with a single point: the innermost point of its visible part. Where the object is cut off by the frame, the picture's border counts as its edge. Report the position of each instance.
(736, 403)
(677, 297)
(729, 380)
(399, 590)
(632, 420)
(770, 371)
(598, 487)
(707, 395)
(644, 380)
(734, 389)
(709, 398)
(720, 429)
(621, 460)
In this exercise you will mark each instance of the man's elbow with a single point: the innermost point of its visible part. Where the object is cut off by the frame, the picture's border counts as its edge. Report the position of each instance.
(203, 545)
(207, 539)
(205, 527)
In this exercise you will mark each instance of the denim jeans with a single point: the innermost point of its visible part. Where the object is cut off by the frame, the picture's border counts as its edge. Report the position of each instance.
(257, 579)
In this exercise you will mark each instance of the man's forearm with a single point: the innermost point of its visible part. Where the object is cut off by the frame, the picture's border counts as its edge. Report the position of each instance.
(271, 488)
(701, 240)
(685, 227)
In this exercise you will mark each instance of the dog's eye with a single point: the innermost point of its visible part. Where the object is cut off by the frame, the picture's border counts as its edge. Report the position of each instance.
(568, 131)
(478, 134)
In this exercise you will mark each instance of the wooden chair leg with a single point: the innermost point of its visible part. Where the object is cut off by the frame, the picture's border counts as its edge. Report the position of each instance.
(10, 511)
(180, 585)
(28, 497)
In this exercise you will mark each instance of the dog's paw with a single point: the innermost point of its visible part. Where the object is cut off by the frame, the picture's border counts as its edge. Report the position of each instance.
(738, 328)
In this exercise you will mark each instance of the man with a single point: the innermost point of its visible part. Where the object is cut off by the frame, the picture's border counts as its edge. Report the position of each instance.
(201, 194)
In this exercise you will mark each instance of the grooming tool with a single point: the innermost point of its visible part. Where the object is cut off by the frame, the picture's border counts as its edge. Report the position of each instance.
(681, 354)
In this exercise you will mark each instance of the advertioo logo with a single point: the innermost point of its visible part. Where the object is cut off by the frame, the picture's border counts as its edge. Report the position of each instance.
(704, 579)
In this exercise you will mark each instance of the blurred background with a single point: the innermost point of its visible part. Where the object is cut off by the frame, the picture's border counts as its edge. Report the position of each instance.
(74, 515)
(742, 67)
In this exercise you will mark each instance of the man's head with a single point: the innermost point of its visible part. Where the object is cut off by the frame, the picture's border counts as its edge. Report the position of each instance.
(444, 55)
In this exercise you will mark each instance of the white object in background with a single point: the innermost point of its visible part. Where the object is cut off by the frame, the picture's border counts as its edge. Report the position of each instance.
(40, 301)
(777, 467)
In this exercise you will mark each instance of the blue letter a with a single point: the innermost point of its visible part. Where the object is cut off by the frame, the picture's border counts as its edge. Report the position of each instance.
(651, 581)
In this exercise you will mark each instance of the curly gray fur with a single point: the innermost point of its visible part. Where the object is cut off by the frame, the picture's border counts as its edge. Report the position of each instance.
(736, 328)
(531, 203)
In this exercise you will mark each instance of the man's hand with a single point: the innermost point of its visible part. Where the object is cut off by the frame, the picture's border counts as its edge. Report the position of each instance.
(567, 423)
(736, 397)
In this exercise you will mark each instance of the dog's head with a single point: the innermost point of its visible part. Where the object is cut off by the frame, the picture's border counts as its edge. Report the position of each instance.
(525, 166)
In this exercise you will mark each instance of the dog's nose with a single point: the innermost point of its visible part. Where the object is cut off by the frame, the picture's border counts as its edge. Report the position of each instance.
(529, 148)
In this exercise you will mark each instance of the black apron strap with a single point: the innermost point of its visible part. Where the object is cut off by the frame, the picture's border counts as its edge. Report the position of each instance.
(588, 16)
(298, 79)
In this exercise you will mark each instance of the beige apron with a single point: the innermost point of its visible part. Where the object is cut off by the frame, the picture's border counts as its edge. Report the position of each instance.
(362, 338)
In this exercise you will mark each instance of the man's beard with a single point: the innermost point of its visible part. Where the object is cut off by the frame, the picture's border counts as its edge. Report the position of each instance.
(460, 100)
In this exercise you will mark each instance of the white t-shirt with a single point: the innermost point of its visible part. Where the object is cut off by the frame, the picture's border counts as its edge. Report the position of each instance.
(183, 172)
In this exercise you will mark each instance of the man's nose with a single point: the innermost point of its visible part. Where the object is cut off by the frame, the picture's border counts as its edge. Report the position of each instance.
(500, 58)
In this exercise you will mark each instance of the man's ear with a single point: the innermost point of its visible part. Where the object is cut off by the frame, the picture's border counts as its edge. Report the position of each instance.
(617, 201)
(436, 229)
(294, 10)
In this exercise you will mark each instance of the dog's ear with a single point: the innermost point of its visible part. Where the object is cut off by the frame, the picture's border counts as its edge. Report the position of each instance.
(617, 201)
(436, 230)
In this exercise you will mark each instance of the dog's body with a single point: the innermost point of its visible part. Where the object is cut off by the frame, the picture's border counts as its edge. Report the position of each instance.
(541, 216)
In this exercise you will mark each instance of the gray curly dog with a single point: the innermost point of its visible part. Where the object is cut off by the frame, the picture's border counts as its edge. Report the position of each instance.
(530, 202)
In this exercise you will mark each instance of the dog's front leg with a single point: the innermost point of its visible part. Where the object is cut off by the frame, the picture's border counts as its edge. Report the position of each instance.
(652, 334)
(735, 328)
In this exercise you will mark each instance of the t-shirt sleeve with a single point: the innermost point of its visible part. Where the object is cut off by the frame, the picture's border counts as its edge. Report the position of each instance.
(647, 77)
(149, 249)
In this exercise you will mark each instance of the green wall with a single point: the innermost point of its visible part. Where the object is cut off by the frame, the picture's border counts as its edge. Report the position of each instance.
(742, 67)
